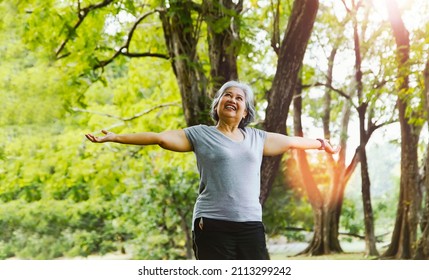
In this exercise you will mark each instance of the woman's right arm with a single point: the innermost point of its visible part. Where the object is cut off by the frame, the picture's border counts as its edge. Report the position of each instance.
(173, 140)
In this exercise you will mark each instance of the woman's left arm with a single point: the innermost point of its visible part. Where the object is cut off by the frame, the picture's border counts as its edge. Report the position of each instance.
(277, 144)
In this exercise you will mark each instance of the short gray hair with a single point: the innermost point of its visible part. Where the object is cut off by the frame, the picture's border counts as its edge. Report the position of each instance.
(250, 107)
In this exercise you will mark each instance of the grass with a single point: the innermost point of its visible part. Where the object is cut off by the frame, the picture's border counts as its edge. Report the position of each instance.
(354, 250)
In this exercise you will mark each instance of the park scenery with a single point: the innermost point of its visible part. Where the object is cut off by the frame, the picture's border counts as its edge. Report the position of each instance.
(354, 72)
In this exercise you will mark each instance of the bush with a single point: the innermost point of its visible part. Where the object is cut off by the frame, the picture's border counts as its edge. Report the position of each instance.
(51, 229)
(159, 215)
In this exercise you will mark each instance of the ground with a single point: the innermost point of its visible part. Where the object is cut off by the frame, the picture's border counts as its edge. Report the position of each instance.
(280, 249)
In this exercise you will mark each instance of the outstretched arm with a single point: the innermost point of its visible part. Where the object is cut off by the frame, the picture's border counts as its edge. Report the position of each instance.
(276, 144)
(173, 140)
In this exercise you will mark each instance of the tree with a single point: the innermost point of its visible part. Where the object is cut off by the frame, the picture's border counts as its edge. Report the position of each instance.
(181, 37)
(364, 134)
(326, 209)
(405, 232)
(181, 22)
(327, 206)
(182, 33)
(291, 54)
(223, 36)
(422, 250)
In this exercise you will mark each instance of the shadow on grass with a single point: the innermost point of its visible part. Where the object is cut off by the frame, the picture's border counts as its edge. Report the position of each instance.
(342, 256)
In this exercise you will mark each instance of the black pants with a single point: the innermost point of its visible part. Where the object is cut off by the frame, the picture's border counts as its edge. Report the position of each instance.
(224, 240)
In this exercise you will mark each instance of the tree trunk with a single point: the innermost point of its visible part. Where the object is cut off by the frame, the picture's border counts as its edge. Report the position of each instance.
(405, 231)
(181, 32)
(325, 238)
(340, 173)
(291, 54)
(422, 250)
(370, 248)
(181, 36)
(223, 40)
(327, 208)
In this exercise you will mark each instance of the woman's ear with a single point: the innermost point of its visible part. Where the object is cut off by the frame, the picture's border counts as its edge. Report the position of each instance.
(215, 115)
(245, 114)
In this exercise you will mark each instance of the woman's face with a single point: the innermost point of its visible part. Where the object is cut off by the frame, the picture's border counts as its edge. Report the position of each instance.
(232, 105)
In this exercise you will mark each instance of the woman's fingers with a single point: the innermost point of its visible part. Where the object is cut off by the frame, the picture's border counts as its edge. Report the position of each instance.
(93, 138)
(90, 137)
(336, 150)
(333, 150)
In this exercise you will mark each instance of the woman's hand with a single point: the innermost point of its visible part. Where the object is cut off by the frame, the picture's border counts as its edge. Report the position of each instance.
(328, 147)
(109, 137)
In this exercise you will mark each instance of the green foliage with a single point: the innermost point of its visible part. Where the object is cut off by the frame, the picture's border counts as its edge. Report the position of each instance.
(70, 193)
(287, 207)
(49, 229)
(157, 209)
(160, 214)
(382, 159)
(351, 218)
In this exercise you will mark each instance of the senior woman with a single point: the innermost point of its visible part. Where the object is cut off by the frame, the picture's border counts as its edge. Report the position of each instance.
(227, 218)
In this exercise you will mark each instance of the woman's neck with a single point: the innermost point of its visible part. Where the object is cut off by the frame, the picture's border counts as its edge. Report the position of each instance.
(231, 131)
(226, 127)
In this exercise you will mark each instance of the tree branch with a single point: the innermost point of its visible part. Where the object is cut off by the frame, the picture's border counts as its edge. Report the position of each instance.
(340, 92)
(379, 237)
(352, 166)
(374, 126)
(275, 39)
(126, 119)
(82, 13)
(345, 6)
(159, 55)
(124, 50)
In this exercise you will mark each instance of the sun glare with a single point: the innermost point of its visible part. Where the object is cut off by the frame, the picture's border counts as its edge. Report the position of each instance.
(412, 11)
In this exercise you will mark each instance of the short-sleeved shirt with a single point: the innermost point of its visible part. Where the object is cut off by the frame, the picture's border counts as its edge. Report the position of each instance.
(229, 173)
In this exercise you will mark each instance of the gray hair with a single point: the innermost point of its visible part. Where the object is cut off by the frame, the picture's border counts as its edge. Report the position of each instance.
(250, 107)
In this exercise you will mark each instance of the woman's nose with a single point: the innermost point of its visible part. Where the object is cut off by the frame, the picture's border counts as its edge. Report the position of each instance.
(233, 98)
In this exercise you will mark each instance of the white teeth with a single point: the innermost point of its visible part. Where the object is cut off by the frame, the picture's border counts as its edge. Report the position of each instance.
(230, 107)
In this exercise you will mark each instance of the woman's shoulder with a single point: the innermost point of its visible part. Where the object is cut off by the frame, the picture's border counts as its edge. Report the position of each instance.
(256, 132)
(199, 127)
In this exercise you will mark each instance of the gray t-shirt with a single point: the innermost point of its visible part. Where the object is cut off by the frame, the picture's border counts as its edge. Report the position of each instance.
(229, 173)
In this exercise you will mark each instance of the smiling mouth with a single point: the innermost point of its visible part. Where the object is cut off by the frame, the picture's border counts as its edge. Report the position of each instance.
(230, 107)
